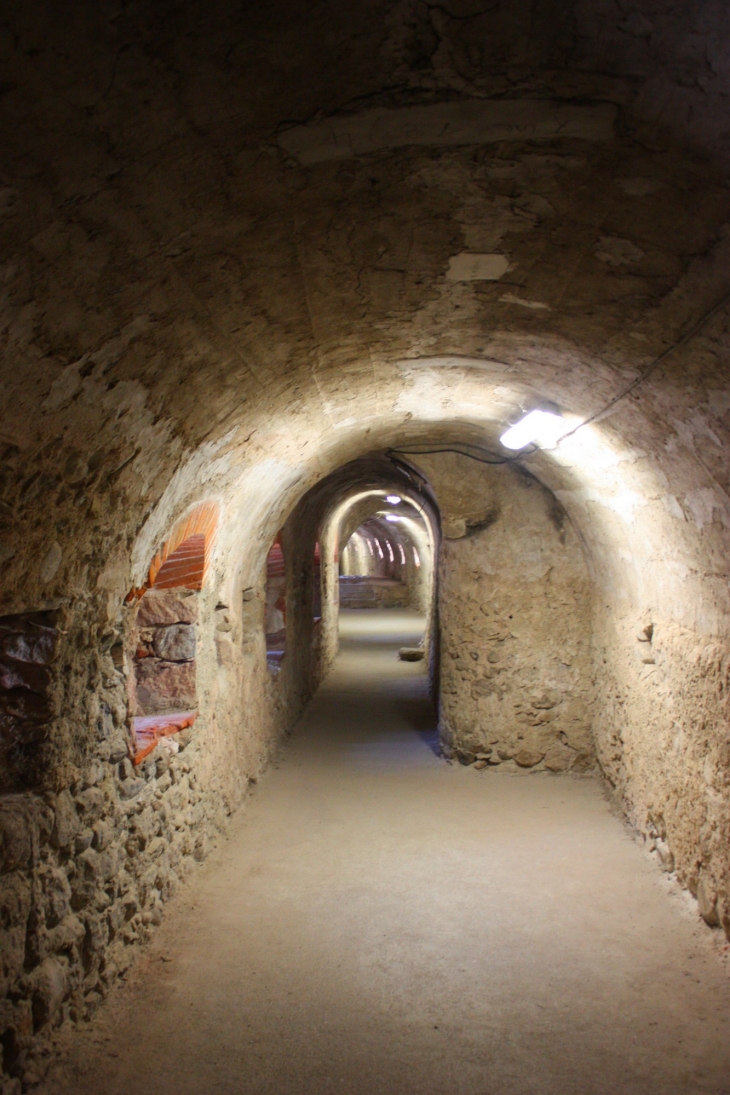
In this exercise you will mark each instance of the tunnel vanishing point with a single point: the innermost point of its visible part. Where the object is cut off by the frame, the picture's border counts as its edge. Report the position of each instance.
(264, 266)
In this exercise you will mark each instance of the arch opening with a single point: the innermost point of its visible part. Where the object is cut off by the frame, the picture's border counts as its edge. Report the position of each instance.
(275, 605)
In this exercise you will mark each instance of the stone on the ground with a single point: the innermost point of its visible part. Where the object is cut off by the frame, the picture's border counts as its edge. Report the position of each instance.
(527, 758)
(559, 757)
(411, 653)
(707, 902)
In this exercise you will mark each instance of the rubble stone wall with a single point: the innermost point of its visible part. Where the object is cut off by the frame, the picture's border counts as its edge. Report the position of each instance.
(90, 852)
(515, 603)
(669, 685)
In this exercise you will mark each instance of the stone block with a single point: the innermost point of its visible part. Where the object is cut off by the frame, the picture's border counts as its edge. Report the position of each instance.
(707, 902)
(165, 686)
(544, 701)
(66, 824)
(90, 804)
(156, 847)
(87, 880)
(83, 841)
(56, 895)
(119, 749)
(103, 835)
(559, 757)
(175, 643)
(411, 653)
(665, 855)
(16, 834)
(528, 758)
(15, 900)
(130, 788)
(482, 688)
(160, 608)
(51, 986)
(65, 935)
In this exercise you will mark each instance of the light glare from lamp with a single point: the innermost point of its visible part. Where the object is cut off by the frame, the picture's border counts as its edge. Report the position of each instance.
(392, 517)
(394, 499)
(541, 427)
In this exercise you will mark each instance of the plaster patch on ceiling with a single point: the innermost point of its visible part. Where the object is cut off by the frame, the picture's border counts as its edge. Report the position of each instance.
(475, 121)
(704, 504)
(453, 361)
(538, 305)
(672, 506)
(468, 266)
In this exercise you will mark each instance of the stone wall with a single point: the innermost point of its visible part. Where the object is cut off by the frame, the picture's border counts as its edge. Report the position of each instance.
(360, 591)
(515, 612)
(163, 652)
(93, 845)
(668, 685)
(209, 315)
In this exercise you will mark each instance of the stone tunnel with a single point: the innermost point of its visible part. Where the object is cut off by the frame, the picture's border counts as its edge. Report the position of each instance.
(277, 280)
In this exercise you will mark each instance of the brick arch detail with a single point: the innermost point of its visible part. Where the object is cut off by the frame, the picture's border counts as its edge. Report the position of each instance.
(193, 537)
(184, 557)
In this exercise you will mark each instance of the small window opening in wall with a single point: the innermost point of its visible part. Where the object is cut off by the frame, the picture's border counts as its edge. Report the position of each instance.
(163, 691)
(163, 696)
(317, 580)
(184, 567)
(275, 611)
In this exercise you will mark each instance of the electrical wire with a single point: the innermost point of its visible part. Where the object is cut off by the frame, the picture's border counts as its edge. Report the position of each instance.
(491, 458)
(496, 458)
(630, 387)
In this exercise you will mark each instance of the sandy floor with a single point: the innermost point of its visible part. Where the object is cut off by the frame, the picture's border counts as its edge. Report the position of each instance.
(381, 922)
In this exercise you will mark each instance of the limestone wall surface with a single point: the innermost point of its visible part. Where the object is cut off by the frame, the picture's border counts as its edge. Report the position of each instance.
(515, 603)
(662, 733)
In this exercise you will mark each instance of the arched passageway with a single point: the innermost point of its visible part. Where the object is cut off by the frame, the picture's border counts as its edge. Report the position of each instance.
(260, 269)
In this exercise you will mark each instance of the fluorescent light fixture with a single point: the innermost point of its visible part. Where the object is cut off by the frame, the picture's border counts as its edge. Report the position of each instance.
(394, 499)
(543, 428)
(392, 517)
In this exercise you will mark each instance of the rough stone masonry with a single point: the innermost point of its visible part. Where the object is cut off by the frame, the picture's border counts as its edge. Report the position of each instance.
(261, 261)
